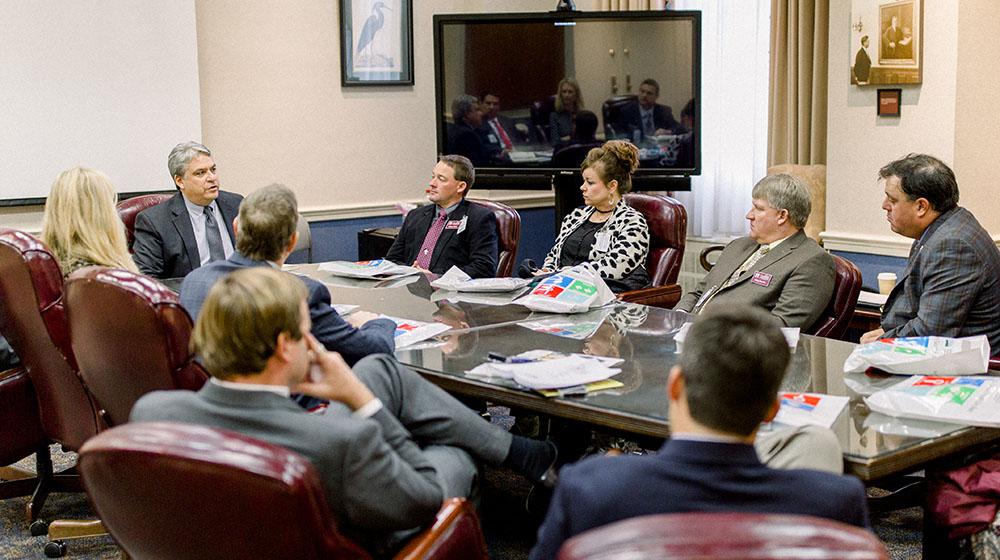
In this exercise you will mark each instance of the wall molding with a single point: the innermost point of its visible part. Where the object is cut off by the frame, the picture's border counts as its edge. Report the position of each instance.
(895, 246)
(891, 246)
(352, 211)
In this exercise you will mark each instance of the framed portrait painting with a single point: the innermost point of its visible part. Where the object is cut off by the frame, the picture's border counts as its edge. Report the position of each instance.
(376, 42)
(886, 42)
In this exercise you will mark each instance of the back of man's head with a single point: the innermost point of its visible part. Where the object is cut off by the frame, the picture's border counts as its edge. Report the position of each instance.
(238, 327)
(733, 362)
(267, 221)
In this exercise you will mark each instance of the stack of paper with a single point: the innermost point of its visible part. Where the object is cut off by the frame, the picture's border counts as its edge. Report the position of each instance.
(550, 370)
(810, 409)
(457, 280)
(379, 269)
(411, 332)
(343, 309)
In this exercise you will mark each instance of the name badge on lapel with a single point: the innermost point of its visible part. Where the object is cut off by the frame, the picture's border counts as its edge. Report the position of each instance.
(761, 278)
(602, 240)
(457, 224)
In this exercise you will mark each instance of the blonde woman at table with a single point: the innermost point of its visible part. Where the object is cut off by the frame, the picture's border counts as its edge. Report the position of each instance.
(605, 232)
(81, 226)
(569, 100)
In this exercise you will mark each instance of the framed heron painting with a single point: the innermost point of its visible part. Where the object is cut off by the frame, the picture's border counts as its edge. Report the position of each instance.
(376, 42)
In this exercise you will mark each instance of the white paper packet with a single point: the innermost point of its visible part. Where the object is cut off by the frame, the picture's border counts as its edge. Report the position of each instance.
(457, 280)
(973, 401)
(922, 355)
(571, 290)
(378, 269)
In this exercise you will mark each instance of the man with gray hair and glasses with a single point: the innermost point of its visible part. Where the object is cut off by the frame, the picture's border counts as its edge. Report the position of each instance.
(776, 268)
(466, 137)
(194, 227)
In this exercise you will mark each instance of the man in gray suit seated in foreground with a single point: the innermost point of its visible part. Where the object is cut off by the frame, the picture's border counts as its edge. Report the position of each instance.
(389, 448)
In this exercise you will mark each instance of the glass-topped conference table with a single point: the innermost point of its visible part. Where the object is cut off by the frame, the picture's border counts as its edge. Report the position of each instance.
(875, 445)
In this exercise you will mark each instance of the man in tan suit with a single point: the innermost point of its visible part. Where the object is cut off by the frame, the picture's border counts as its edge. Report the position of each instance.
(776, 268)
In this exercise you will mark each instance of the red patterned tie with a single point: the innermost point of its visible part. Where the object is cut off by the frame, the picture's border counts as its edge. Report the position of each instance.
(507, 144)
(427, 249)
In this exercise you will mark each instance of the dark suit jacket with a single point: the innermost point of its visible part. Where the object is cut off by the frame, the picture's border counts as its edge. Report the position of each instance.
(376, 478)
(862, 66)
(472, 143)
(474, 250)
(164, 239)
(951, 284)
(690, 476)
(663, 117)
(493, 140)
(799, 284)
(336, 334)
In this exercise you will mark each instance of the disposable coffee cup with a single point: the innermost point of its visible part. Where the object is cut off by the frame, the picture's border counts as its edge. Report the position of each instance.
(886, 282)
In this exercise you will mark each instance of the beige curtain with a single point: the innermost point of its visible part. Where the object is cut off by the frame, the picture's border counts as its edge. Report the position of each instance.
(797, 115)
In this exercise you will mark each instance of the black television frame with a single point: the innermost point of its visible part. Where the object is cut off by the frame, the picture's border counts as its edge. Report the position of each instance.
(542, 178)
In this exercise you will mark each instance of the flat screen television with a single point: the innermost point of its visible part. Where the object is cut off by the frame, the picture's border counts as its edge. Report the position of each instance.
(560, 83)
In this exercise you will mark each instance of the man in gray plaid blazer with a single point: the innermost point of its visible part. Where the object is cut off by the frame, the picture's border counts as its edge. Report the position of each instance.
(951, 284)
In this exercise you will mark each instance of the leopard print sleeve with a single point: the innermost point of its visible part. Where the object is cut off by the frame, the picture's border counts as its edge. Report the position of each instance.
(628, 247)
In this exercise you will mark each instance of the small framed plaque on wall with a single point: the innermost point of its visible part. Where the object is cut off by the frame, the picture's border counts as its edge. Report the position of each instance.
(889, 102)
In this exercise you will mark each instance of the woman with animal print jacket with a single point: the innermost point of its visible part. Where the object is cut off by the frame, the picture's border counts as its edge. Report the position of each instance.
(606, 232)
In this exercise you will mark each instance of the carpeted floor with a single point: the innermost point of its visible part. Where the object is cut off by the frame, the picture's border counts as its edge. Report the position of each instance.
(509, 531)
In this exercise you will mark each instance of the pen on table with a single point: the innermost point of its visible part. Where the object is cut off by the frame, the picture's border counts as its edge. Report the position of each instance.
(497, 357)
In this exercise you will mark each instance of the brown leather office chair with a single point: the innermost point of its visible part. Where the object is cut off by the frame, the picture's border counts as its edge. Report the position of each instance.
(572, 155)
(33, 319)
(508, 234)
(141, 345)
(20, 432)
(304, 243)
(717, 536)
(667, 221)
(184, 491)
(611, 110)
(129, 208)
(837, 315)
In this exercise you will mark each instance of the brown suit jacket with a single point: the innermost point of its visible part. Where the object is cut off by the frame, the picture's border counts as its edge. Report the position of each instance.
(795, 283)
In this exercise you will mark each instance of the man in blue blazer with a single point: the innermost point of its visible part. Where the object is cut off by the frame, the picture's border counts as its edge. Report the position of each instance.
(452, 231)
(726, 384)
(266, 236)
(951, 283)
(194, 227)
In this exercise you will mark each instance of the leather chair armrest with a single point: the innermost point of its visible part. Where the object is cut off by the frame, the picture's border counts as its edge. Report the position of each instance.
(659, 296)
(456, 534)
(703, 256)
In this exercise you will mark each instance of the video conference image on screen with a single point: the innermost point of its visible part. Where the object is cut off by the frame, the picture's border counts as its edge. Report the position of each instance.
(522, 94)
